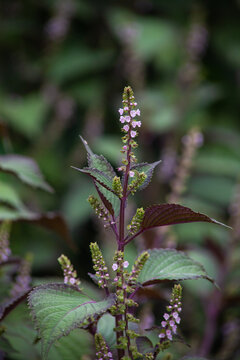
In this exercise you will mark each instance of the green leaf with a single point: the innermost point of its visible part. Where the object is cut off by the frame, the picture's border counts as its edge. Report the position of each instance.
(170, 265)
(26, 169)
(170, 214)
(144, 345)
(98, 176)
(147, 169)
(193, 358)
(99, 162)
(26, 114)
(9, 196)
(105, 327)
(58, 309)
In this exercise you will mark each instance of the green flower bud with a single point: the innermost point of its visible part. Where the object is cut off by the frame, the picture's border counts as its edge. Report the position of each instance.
(117, 186)
(136, 221)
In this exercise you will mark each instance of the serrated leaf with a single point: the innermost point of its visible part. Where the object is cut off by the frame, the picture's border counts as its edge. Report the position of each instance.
(99, 162)
(170, 214)
(11, 303)
(26, 169)
(105, 327)
(147, 169)
(98, 176)
(58, 309)
(144, 345)
(166, 264)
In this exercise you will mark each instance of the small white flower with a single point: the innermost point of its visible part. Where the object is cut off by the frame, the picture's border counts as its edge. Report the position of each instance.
(138, 112)
(133, 133)
(120, 111)
(177, 319)
(126, 108)
(114, 267)
(163, 323)
(131, 173)
(72, 281)
(126, 128)
(162, 335)
(122, 119)
(127, 118)
(174, 329)
(125, 264)
(171, 323)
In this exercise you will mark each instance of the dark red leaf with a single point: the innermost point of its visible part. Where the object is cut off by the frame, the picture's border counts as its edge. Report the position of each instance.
(170, 214)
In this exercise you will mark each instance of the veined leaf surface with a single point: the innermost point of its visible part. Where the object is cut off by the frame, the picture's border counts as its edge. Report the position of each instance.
(168, 264)
(170, 214)
(59, 308)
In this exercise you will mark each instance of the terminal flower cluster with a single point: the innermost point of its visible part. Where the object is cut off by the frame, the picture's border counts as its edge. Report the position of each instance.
(70, 275)
(172, 318)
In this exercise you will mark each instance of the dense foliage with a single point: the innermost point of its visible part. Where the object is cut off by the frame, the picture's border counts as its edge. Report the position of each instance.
(63, 67)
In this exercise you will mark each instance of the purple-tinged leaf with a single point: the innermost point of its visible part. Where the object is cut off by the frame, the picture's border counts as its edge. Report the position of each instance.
(11, 303)
(147, 169)
(26, 169)
(170, 214)
(58, 309)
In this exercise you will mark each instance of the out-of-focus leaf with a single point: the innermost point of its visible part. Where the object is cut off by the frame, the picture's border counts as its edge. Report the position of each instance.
(26, 114)
(26, 169)
(170, 214)
(65, 308)
(77, 61)
(205, 258)
(144, 345)
(212, 188)
(169, 264)
(9, 196)
(147, 169)
(193, 358)
(213, 164)
(49, 220)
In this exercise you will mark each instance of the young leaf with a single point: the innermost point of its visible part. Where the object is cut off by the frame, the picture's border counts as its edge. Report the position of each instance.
(147, 169)
(98, 176)
(58, 309)
(109, 199)
(98, 162)
(167, 264)
(26, 169)
(170, 214)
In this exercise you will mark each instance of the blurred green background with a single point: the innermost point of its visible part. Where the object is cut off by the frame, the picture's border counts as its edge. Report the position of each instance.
(63, 67)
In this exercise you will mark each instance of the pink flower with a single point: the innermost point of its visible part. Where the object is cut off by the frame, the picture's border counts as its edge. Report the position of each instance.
(126, 128)
(126, 108)
(125, 264)
(162, 335)
(138, 112)
(127, 118)
(120, 111)
(133, 113)
(131, 173)
(114, 267)
(166, 316)
(171, 323)
(174, 329)
(175, 315)
(163, 323)
(122, 119)
(169, 334)
(125, 147)
(133, 134)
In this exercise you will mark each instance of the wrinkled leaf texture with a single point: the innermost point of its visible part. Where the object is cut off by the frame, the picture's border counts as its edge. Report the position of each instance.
(57, 309)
